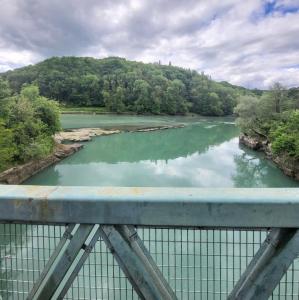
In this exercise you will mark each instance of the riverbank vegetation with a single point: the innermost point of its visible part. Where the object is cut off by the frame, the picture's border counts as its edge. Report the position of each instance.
(27, 123)
(117, 85)
(274, 118)
(82, 110)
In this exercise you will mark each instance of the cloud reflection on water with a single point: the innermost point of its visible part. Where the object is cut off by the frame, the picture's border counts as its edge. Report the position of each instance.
(224, 165)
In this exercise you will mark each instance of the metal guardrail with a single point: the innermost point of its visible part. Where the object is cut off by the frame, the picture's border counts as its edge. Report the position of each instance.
(150, 243)
(217, 207)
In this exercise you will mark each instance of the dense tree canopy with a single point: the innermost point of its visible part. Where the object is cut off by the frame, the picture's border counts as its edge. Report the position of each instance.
(275, 116)
(122, 85)
(27, 123)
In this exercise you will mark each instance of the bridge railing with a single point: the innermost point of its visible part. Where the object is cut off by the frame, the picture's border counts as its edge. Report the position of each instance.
(150, 243)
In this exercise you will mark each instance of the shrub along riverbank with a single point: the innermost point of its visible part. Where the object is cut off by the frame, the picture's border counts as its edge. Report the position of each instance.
(27, 124)
(270, 123)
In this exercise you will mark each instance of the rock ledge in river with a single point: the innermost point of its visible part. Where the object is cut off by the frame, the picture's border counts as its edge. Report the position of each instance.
(159, 128)
(82, 134)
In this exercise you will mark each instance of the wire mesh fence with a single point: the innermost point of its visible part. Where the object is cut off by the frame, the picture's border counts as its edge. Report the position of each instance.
(197, 263)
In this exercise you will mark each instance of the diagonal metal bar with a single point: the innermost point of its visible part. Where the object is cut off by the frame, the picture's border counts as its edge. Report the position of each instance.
(268, 266)
(64, 261)
(130, 233)
(87, 250)
(66, 236)
(136, 262)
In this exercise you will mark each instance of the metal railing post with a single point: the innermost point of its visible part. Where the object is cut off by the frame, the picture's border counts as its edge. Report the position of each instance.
(268, 265)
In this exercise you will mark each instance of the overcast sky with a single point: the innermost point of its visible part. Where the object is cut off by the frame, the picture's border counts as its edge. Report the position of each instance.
(247, 42)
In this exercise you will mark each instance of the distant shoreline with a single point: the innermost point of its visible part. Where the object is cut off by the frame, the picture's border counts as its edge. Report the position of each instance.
(128, 113)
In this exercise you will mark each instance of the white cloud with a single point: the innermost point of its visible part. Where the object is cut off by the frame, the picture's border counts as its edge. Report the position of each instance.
(237, 41)
(10, 58)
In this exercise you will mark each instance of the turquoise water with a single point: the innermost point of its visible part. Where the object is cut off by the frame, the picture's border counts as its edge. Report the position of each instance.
(116, 121)
(198, 263)
(205, 153)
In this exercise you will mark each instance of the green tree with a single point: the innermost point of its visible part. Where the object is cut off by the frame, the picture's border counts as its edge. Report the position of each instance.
(143, 102)
(285, 135)
(214, 104)
(27, 124)
(175, 101)
(114, 100)
(158, 96)
(270, 117)
(30, 92)
(248, 114)
(48, 112)
(278, 95)
(5, 90)
(118, 100)
(7, 146)
(82, 81)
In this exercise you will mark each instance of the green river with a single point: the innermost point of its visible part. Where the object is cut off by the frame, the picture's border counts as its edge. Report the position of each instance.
(205, 153)
(198, 264)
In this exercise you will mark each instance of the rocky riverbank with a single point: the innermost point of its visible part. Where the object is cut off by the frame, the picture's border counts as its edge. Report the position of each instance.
(289, 166)
(19, 174)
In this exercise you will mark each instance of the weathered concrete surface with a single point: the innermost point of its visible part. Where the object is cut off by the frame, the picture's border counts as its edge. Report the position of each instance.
(19, 174)
(288, 165)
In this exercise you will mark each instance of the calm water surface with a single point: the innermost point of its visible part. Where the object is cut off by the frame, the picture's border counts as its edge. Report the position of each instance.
(198, 264)
(205, 153)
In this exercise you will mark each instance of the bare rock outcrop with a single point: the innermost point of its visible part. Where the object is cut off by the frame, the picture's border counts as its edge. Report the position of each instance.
(287, 164)
(82, 134)
(251, 142)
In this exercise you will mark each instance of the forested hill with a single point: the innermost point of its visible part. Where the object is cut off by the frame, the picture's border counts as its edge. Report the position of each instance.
(122, 85)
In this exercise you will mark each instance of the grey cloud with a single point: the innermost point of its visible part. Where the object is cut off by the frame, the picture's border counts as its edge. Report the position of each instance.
(49, 28)
(220, 38)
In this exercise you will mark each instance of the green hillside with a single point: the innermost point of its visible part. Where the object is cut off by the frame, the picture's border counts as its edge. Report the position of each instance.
(121, 85)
